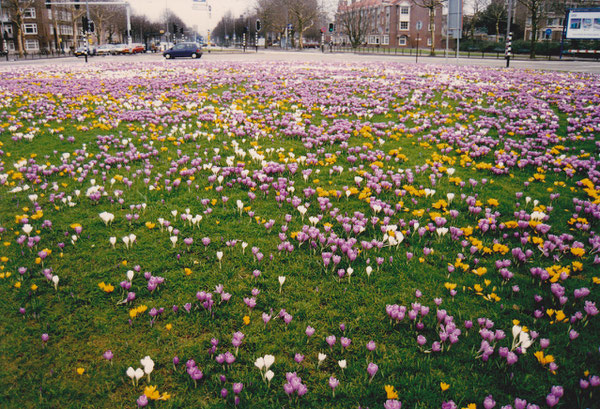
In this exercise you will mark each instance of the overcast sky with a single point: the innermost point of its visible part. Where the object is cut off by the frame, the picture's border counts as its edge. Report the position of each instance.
(185, 10)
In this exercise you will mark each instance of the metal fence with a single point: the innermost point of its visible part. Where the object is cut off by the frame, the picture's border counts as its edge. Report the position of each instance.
(14, 56)
(425, 52)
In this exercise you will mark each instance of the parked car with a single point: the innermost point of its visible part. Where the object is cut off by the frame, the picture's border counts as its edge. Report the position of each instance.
(80, 52)
(137, 48)
(192, 50)
(120, 48)
(105, 49)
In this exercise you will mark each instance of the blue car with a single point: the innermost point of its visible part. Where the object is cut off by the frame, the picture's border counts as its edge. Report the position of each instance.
(192, 50)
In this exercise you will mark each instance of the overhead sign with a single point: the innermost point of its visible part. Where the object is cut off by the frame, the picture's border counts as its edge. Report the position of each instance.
(198, 4)
(583, 24)
(455, 18)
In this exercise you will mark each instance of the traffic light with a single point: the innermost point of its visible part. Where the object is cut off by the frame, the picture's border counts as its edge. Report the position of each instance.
(84, 24)
(258, 25)
(48, 4)
(77, 5)
(91, 26)
(331, 27)
(181, 30)
(175, 28)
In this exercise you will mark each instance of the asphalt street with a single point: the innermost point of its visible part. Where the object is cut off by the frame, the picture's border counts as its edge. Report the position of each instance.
(317, 56)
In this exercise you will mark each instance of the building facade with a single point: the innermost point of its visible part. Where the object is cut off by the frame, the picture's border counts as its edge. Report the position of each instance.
(43, 29)
(390, 23)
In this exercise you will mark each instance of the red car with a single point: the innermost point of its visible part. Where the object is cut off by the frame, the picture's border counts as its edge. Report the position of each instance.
(137, 48)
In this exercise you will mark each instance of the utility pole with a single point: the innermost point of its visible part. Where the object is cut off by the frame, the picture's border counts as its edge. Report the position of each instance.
(86, 30)
(4, 33)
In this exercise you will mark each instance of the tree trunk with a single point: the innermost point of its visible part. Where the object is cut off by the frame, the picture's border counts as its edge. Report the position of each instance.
(534, 17)
(497, 29)
(20, 41)
(75, 34)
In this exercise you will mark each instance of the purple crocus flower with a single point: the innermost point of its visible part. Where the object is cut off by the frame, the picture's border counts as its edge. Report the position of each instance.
(333, 383)
(108, 355)
(142, 401)
(372, 370)
(489, 402)
(237, 388)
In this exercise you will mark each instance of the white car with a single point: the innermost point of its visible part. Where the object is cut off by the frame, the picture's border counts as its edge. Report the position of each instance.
(105, 49)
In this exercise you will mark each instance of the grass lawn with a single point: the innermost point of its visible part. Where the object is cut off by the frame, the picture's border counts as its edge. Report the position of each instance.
(273, 235)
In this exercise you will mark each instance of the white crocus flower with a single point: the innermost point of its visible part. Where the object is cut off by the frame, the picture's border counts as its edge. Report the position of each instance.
(113, 241)
(55, 280)
(107, 217)
(139, 374)
(131, 373)
(174, 240)
(260, 363)
(281, 281)
(321, 358)
(302, 211)
(269, 360)
(219, 257)
(148, 365)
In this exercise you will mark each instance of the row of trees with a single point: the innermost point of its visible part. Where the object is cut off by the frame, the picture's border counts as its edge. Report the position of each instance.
(306, 17)
(491, 17)
(109, 21)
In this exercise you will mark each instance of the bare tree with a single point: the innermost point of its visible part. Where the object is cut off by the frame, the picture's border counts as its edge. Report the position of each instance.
(103, 16)
(303, 15)
(273, 15)
(354, 22)
(77, 14)
(535, 10)
(431, 6)
(16, 10)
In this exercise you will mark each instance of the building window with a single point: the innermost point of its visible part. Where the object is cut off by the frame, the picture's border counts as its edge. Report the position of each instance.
(32, 45)
(405, 10)
(373, 39)
(49, 14)
(30, 28)
(11, 46)
(404, 25)
(429, 41)
(429, 27)
(66, 30)
(29, 13)
(9, 30)
(402, 40)
(385, 40)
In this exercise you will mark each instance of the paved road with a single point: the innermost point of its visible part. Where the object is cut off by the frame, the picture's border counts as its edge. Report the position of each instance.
(316, 56)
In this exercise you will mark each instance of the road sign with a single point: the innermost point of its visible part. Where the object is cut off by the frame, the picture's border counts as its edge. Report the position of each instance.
(548, 32)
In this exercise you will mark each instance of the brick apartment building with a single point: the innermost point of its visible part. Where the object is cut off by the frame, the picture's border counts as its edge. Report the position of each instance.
(44, 29)
(392, 23)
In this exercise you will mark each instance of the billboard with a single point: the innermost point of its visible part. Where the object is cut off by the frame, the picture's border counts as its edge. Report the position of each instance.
(455, 16)
(583, 24)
